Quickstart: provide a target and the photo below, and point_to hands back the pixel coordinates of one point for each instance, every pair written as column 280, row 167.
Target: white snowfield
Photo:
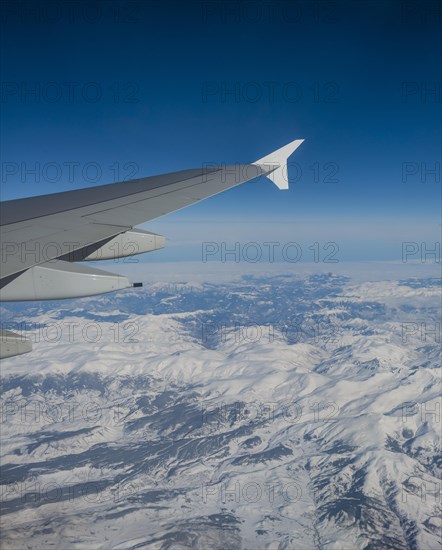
column 180, row 427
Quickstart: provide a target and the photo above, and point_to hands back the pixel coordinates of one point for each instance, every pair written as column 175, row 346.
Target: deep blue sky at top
column 170, row 85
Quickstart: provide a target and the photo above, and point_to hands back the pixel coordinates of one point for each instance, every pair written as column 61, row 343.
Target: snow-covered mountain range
column 274, row 412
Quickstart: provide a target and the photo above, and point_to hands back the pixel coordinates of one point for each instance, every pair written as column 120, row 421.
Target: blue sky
column 140, row 88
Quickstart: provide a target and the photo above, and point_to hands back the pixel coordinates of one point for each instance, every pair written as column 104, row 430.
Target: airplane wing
column 42, row 237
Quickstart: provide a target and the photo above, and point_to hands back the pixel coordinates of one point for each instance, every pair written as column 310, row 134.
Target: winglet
column 276, row 162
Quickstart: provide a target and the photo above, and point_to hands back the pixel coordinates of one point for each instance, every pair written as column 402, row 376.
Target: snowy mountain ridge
column 272, row 413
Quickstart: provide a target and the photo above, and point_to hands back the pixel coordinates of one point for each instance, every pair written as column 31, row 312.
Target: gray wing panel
column 39, row 229
column 34, row 207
